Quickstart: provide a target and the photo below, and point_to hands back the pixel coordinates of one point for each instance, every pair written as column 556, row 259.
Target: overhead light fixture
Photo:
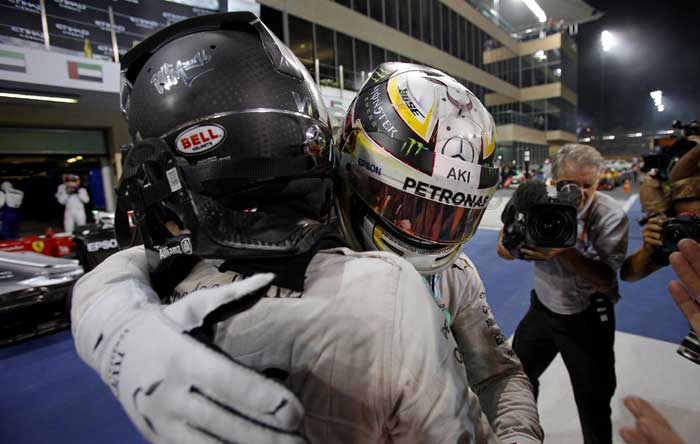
column 666, row 132
column 535, row 8
column 540, row 55
column 608, row 40
column 608, row 137
column 41, row 98
column 635, row 135
column 587, row 139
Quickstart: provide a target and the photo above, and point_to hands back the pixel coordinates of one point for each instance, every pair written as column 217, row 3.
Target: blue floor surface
column 48, row 395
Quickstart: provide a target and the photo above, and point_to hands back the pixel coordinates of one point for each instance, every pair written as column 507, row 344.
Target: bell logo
column 199, row 139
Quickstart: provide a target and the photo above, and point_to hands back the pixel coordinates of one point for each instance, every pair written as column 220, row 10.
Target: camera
column 537, row 217
column 690, row 347
column 689, row 129
column 678, row 228
column 675, row 229
column 669, row 150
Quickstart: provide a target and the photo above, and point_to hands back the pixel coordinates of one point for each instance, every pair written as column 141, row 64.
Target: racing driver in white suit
column 231, row 176
column 74, row 197
column 389, row 201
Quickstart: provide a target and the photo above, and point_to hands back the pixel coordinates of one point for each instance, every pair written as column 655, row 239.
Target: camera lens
column 550, row 226
column 675, row 235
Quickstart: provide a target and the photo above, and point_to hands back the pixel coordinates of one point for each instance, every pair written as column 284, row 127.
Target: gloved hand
column 174, row 388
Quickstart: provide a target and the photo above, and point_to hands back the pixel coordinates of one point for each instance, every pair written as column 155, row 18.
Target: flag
column 12, row 61
column 85, row 71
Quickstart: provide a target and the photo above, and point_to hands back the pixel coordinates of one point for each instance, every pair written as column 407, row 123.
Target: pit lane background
column 48, row 395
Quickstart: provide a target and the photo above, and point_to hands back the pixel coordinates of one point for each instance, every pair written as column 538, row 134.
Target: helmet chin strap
column 345, row 225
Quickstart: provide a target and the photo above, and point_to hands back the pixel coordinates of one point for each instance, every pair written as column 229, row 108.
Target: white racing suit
column 493, row 370
column 74, row 214
column 362, row 347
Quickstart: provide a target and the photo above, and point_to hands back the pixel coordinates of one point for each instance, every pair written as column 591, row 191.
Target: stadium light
column 658, row 98
column 535, row 8
column 608, row 40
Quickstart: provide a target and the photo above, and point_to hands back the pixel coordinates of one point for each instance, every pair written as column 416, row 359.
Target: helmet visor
column 421, row 217
column 441, row 202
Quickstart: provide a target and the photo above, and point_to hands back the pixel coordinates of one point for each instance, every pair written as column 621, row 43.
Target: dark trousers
column 585, row 341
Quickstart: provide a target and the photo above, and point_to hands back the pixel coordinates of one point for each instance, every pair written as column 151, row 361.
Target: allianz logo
column 185, row 247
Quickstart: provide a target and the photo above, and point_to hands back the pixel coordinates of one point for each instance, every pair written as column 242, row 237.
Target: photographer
column 571, row 310
column 681, row 198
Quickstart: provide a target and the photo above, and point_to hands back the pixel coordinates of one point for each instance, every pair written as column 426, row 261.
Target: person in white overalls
column 73, row 197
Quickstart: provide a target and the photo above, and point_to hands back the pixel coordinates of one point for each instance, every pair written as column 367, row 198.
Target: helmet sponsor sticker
column 199, row 139
column 369, row 166
column 456, row 170
column 169, row 75
column 452, row 181
column 419, row 120
column 173, row 180
column 446, row 195
column 185, row 247
column 377, row 116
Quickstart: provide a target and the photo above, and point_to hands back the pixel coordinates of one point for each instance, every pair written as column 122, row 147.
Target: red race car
column 50, row 244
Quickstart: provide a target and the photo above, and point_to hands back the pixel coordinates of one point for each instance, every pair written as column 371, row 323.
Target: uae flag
column 12, row 61
column 85, row 71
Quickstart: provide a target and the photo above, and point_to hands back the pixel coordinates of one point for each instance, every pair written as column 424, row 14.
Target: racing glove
column 174, row 388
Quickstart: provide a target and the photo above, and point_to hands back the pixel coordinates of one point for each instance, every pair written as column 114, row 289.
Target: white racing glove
column 174, row 388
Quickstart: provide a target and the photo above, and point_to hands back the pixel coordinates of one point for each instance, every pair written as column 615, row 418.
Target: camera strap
column 586, row 218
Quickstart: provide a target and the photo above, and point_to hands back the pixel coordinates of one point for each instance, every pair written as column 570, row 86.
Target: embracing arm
column 493, row 370
column 174, row 388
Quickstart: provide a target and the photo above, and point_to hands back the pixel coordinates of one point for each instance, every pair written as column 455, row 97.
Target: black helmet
column 232, row 142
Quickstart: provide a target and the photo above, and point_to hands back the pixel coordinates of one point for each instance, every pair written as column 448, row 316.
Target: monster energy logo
column 379, row 74
column 412, row 146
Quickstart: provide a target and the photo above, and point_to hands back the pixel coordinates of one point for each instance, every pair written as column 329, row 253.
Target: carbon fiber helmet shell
column 198, row 69
column 415, row 162
column 232, row 141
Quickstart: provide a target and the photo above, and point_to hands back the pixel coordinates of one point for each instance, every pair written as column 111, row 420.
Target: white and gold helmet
column 415, row 160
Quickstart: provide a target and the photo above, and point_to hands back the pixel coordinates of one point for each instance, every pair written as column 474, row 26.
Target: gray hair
column 578, row 154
